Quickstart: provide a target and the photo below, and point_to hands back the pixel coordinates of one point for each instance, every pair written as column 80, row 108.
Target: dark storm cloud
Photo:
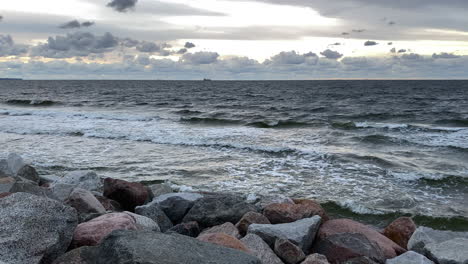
column 370, row 43
column 445, row 55
column 76, row 44
column 202, row 57
column 330, row 54
column 9, row 48
column 189, row 45
column 122, row 5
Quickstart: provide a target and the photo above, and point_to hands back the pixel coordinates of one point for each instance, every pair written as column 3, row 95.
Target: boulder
column 224, row 240
column 5, row 194
column 440, row 246
column 92, row 232
column 14, row 162
column 302, row 232
column 176, row 205
column 154, row 211
column 279, row 213
column 62, row 190
column 32, row 188
column 400, row 231
column 342, row 247
column 315, row 259
column 28, row 173
column 226, row 228
column 190, row 229
column 34, row 229
column 84, row 202
column 128, row 194
column 109, row 204
column 87, row 180
column 82, row 255
column 288, row 252
column 248, row 219
column 409, row 257
column 160, row 189
column 124, row 246
column 264, row 201
column 144, row 223
column 360, row 260
column 218, row 209
column 337, row 226
column 260, row 249
column 6, row 183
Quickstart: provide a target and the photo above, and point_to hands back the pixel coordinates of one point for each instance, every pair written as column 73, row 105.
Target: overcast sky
column 230, row 39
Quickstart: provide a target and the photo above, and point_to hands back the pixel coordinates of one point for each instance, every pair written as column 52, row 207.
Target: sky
column 230, row 39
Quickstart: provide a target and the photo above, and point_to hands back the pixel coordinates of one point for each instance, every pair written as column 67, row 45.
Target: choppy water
column 371, row 146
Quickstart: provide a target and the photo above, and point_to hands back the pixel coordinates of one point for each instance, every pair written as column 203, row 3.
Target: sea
column 367, row 149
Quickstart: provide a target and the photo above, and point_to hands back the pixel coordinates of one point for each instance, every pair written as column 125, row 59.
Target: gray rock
column 144, row 223
column 61, row 190
column 440, row 246
column 15, row 163
column 85, row 203
column 87, row 180
column 27, row 187
column 218, row 209
column 154, row 211
column 34, row 229
column 226, row 228
column 190, row 229
column 28, row 173
column 160, row 189
column 301, row 232
column 81, row 255
column 349, row 248
column 125, row 246
column 316, row 259
column 4, row 170
column 176, row 205
column 260, row 249
column 288, row 252
column 47, row 179
column 409, row 257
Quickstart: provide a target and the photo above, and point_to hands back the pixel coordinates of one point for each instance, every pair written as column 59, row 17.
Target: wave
column 278, row 124
column 187, row 112
column 393, row 126
column 210, row 121
column 453, row 122
column 27, row 102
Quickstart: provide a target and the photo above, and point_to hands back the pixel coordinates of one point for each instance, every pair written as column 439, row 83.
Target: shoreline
column 95, row 216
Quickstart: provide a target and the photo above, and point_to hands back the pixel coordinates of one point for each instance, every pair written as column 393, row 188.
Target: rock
column 87, row 180
column 123, row 247
column 440, row 246
column 337, row 226
column 190, row 229
column 271, row 199
column 6, row 183
column 160, row 189
column 144, row 223
column 82, row 255
column 400, row 231
column 224, row 240
column 301, row 232
column 218, row 209
column 61, row 190
column 226, row 228
column 108, row 204
column 28, row 173
column 260, row 249
column 5, row 194
column 176, row 205
column 288, row 252
column 47, row 180
column 154, row 211
column 315, row 259
column 248, row 219
column 360, row 260
column 31, row 188
column 341, row 247
column 128, row 194
column 409, row 257
column 84, row 202
column 279, row 213
column 34, row 229
column 15, row 163
column 92, row 232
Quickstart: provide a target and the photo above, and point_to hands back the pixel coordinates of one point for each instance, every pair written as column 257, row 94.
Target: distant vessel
column 10, row 79
column 206, row 80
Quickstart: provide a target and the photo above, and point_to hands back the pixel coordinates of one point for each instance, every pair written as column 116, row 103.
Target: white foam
column 380, row 125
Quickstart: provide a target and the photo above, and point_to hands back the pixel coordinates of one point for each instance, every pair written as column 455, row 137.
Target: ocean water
column 371, row 147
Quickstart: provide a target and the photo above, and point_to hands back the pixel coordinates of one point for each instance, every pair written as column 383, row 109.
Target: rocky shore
column 83, row 219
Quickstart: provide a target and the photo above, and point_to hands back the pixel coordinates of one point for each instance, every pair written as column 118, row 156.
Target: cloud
column 390, row 43
column 358, row 30
column 201, row 57
column 445, row 55
column 189, row 45
column 330, row 54
column 76, row 24
column 122, row 5
column 9, row 48
column 393, row 50
column 146, row 46
column 370, row 43
column 402, row 50
column 288, row 57
column 75, row 44
column 412, row 56
column 391, row 23
column 182, row 51
column 1, row 18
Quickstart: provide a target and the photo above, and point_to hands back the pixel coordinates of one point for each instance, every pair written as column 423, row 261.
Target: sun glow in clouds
column 245, row 14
